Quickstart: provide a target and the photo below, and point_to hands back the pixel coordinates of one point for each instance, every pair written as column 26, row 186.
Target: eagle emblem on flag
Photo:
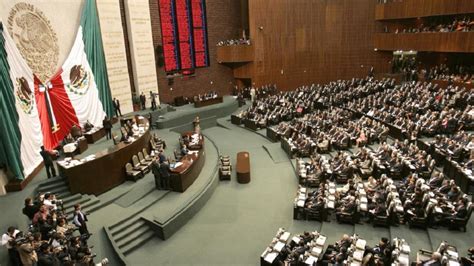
column 24, row 95
column 79, row 80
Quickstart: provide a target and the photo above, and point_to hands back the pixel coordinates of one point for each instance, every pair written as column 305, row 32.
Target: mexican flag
column 20, row 133
column 79, row 92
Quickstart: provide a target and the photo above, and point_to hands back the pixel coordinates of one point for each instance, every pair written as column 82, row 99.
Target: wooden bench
column 243, row 167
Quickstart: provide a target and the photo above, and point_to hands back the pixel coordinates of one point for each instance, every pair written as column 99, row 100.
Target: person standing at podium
column 107, row 124
column 48, row 162
column 155, row 169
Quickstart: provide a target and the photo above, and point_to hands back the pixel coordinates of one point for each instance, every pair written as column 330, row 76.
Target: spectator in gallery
column 48, row 162
column 107, row 124
column 116, row 103
column 143, row 100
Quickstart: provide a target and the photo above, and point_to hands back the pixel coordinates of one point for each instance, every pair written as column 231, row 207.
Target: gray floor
column 237, row 222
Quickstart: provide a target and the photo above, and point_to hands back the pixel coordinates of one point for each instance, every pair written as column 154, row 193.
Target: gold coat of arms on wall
column 35, row 38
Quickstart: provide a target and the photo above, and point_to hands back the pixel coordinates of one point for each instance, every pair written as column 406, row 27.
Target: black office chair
column 456, row 223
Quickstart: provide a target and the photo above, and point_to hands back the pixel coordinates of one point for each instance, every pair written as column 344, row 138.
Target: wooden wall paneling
column 337, row 34
column 432, row 42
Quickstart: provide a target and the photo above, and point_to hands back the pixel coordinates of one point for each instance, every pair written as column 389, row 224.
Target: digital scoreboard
column 184, row 34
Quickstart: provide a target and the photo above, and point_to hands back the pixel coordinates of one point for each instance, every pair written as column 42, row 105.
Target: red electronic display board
column 168, row 35
column 201, row 57
column 184, row 34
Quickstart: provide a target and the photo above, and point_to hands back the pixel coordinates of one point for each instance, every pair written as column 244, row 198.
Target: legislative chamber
column 238, row 132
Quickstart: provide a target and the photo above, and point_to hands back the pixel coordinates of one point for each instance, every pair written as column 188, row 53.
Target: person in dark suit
column 116, row 102
column 155, row 169
column 184, row 150
column 165, row 175
column 349, row 208
column 48, row 162
column 88, row 126
column 107, row 124
column 153, row 101
column 80, row 220
column 143, row 101
column 30, row 208
column 161, row 156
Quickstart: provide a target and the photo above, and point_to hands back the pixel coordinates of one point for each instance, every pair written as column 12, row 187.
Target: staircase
column 131, row 234
column 59, row 187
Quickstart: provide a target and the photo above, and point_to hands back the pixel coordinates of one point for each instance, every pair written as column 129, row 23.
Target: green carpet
column 237, row 222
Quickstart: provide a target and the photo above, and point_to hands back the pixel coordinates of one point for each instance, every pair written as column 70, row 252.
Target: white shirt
column 6, row 237
column 48, row 203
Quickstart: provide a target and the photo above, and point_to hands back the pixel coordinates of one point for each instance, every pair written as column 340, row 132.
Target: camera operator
column 42, row 214
column 46, row 256
column 79, row 251
column 51, row 201
column 26, row 249
column 30, row 208
column 8, row 241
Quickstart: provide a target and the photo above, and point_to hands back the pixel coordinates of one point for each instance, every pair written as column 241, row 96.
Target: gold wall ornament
column 35, row 38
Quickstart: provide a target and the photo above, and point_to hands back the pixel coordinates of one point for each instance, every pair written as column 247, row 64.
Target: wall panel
column 337, row 34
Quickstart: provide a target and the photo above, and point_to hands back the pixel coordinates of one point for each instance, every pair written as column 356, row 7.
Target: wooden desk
column 82, row 145
column 194, row 147
column 272, row 134
column 235, row 120
column 207, row 102
column 243, row 167
column 183, row 176
column 106, row 171
column 180, row 101
column 250, row 124
column 95, row 136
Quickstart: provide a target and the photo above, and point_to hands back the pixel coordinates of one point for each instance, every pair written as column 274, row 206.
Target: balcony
column 462, row 42
column 422, row 8
column 235, row 54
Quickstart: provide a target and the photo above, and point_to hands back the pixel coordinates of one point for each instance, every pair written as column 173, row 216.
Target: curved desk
column 195, row 146
column 183, row 176
column 106, row 170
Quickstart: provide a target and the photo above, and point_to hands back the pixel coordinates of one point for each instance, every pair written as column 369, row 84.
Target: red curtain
column 63, row 111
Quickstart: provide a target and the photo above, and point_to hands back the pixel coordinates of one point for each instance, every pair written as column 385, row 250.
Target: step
column 51, row 186
column 132, row 235
column 86, row 202
column 63, row 194
column 123, row 224
column 71, row 200
column 123, row 233
column 52, row 182
column 59, row 190
column 138, row 242
column 81, row 201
